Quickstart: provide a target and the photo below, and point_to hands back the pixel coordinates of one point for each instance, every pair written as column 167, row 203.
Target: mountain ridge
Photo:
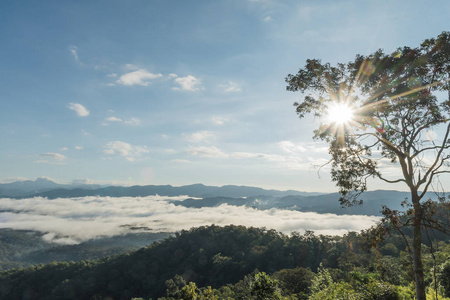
column 326, row 203
column 26, row 187
column 51, row 190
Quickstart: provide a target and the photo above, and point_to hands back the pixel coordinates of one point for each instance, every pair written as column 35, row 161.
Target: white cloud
column 52, row 158
column 172, row 75
column 131, row 67
column 12, row 179
column 133, row 122
column 78, row 147
column 113, row 119
column 231, row 87
column 211, row 152
column 267, row 19
column 74, row 51
column 138, row 77
column 72, row 220
column 188, row 83
column 183, row 161
column 263, row 156
column 128, row 151
column 64, row 149
column 219, row 120
column 55, row 156
column 240, row 155
column 201, row 136
column 79, row 109
column 293, row 161
column 290, row 147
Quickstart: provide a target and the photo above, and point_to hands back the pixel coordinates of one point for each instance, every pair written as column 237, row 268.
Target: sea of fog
column 73, row 220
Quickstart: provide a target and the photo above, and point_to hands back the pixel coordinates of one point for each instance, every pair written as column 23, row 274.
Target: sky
column 180, row 92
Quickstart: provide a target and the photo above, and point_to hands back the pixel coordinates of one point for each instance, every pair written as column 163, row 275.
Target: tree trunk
column 417, row 252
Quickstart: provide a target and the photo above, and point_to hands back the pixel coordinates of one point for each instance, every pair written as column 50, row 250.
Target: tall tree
column 382, row 110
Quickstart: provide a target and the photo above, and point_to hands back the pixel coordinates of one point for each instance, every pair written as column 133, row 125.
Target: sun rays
column 339, row 113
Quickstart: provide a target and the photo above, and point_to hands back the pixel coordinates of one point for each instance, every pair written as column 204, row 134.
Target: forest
column 237, row 262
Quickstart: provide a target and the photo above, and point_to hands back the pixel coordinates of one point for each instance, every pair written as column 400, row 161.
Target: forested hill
column 208, row 256
column 213, row 256
column 23, row 248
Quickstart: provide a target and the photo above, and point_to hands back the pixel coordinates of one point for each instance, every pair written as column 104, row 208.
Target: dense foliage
column 23, row 248
column 235, row 262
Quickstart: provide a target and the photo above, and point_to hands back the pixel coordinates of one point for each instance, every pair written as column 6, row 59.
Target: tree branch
column 438, row 157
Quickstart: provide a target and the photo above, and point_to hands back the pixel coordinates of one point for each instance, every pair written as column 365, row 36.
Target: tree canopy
column 392, row 113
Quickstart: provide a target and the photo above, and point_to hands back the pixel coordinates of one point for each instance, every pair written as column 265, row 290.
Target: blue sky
column 180, row 92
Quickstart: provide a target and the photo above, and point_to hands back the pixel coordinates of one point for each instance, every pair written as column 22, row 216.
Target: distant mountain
column 327, row 203
column 53, row 190
column 20, row 188
column 213, row 196
column 24, row 188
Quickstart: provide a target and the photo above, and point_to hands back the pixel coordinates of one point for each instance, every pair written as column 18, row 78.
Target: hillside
column 22, row 248
column 209, row 256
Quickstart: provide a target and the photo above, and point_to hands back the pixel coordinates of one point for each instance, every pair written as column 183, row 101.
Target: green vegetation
column 23, row 248
column 235, row 262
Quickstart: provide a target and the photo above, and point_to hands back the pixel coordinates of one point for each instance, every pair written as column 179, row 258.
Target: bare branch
column 428, row 149
column 391, row 181
column 436, row 161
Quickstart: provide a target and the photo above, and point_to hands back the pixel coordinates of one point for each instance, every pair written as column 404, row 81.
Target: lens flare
column 368, row 68
column 398, row 54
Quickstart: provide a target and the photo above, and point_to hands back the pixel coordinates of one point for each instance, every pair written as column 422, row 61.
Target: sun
column 339, row 113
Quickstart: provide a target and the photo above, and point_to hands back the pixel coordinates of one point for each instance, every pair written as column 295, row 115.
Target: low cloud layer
column 73, row 220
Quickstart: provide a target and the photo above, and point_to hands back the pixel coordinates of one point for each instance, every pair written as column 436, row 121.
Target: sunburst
column 340, row 113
